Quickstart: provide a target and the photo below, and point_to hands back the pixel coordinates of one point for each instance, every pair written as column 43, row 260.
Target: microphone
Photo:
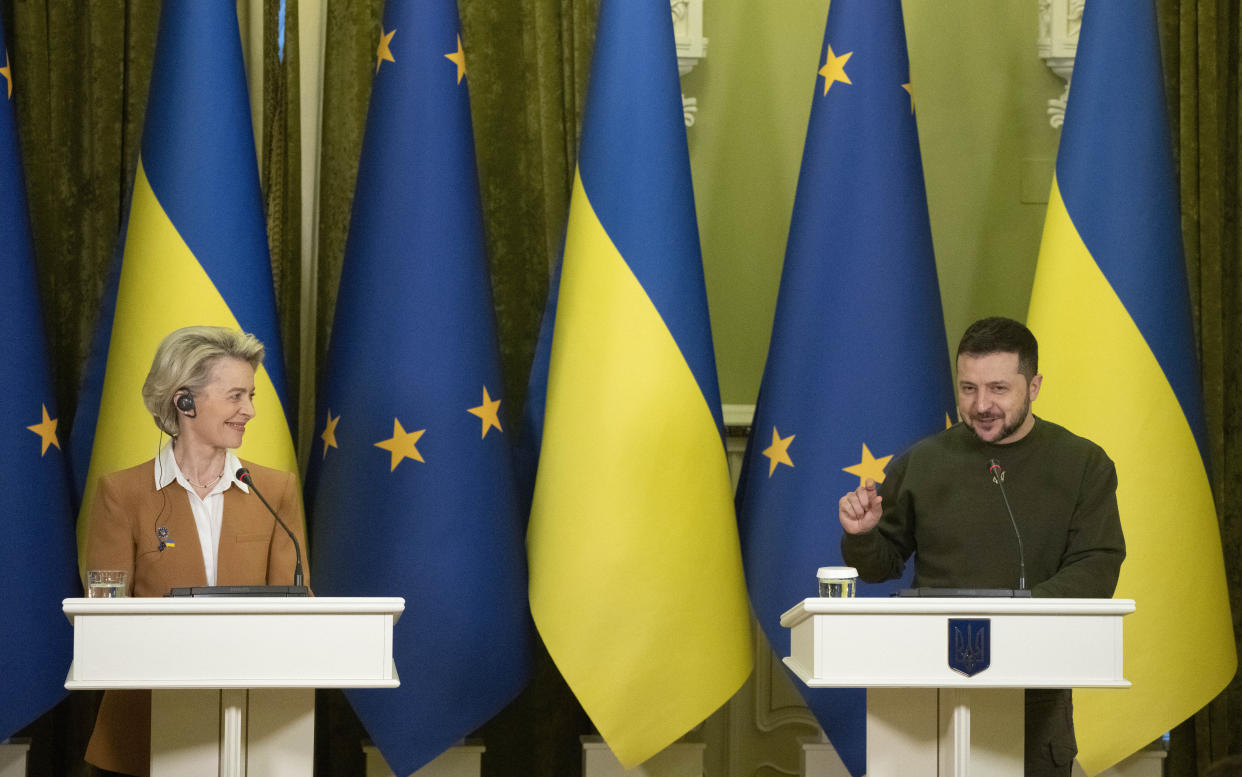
column 243, row 475
column 998, row 477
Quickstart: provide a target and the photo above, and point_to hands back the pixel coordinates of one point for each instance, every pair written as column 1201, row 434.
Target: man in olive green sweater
column 940, row 503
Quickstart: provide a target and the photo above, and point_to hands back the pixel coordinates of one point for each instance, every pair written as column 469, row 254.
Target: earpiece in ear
column 185, row 403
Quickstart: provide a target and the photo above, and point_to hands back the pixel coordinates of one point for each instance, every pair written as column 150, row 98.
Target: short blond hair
column 183, row 363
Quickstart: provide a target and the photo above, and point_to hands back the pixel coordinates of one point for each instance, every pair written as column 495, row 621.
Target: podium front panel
column 257, row 642
column 906, row 642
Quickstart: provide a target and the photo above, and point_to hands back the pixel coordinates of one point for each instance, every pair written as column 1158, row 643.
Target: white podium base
column 463, row 760
column 680, row 759
column 820, row 759
column 13, row 757
column 233, row 732
column 951, row 732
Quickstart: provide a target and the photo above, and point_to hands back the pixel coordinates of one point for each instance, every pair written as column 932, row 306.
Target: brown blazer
column 126, row 519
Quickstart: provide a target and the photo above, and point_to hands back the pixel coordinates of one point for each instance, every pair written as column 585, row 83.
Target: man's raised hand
column 860, row 509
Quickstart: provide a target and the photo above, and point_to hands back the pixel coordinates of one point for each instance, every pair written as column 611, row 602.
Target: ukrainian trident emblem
column 970, row 645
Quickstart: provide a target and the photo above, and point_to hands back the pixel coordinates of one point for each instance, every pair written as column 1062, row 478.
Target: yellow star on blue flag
column 7, row 72
column 833, row 70
column 329, row 433
column 383, row 52
column 402, row 444
column 778, row 451
column 458, row 58
column 488, row 412
column 46, row 429
column 869, row 467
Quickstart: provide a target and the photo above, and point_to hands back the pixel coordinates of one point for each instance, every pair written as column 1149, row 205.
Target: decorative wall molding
column 777, row 702
column 689, row 107
column 691, row 46
column 1059, row 24
column 688, row 30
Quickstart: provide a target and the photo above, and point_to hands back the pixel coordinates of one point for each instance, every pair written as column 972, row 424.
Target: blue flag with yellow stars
column 857, row 367
column 194, row 251
column 37, row 557
column 635, row 569
column 410, row 488
column 1111, row 308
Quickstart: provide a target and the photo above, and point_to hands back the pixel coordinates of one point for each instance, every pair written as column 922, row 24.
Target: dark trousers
column 1050, row 743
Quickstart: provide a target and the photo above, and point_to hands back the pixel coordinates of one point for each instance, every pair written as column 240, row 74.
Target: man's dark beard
column 1007, row 429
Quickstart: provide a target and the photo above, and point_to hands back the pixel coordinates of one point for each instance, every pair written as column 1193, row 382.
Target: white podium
column 233, row 679
column 945, row 678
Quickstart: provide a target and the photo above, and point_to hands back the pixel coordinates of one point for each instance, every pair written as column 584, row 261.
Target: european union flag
column 195, row 250
column 37, row 556
column 1111, row 308
column 410, row 488
column 857, row 366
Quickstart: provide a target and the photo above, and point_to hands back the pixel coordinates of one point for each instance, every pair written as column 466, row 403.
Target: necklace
column 208, row 484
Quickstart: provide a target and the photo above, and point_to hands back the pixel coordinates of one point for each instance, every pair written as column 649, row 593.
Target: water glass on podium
column 837, row 582
column 106, row 583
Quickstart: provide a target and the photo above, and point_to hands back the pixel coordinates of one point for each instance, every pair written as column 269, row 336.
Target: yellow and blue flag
column 1111, row 309
column 37, row 558
column 635, row 571
column 857, row 366
column 194, row 250
column 410, row 489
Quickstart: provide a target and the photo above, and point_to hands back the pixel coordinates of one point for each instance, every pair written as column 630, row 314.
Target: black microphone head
column 243, row 475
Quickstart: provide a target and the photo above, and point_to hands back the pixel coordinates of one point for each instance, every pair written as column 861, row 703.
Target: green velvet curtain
column 82, row 71
column 1200, row 40
column 280, row 152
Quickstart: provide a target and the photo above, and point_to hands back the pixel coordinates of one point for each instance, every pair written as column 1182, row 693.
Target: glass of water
column 837, row 582
column 106, row 583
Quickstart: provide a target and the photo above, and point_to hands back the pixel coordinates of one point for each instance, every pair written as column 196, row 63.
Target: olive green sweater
column 941, row 505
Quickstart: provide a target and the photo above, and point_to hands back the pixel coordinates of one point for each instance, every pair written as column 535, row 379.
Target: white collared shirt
column 208, row 512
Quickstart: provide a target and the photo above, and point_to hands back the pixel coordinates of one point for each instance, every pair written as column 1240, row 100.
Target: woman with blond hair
column 184, row 519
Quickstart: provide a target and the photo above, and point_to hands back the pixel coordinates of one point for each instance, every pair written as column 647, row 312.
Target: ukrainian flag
column 636, row 580
column 37, row 556
column 1111, row 309
column 411, row 488
column 194, row 249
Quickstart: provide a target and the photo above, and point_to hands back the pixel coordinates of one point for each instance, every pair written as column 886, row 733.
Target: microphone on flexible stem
column 243, row 475
column 998, row 477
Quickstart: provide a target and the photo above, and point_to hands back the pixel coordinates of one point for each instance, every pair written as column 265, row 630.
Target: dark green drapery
column 82, row 71
column 1199, row 40
column 81, row 74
